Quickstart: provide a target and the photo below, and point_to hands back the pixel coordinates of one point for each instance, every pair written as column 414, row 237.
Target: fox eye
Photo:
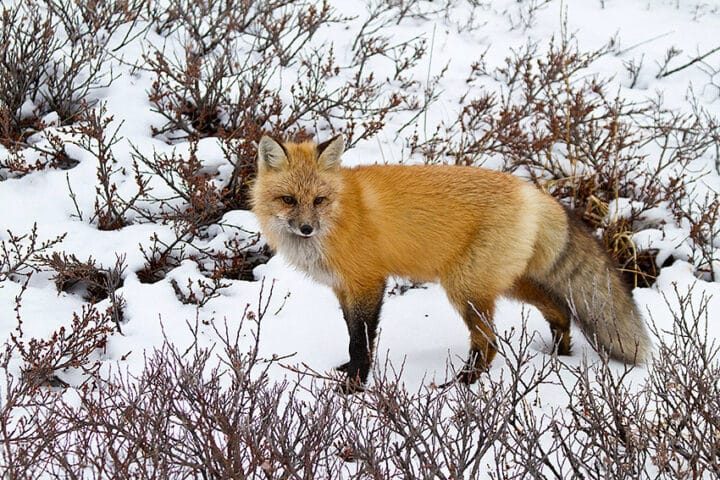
column 288, row 200
column 319, row 200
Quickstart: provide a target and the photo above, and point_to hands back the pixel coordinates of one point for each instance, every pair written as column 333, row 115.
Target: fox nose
column 306, row 229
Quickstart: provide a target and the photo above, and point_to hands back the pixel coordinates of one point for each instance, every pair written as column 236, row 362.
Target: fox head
column 297, row 188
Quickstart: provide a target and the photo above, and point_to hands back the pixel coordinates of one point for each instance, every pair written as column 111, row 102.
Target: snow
column 419, row 329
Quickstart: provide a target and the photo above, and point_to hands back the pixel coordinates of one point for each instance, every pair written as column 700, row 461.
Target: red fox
column 480, row 233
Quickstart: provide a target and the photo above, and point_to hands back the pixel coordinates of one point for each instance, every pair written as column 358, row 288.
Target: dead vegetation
column 184, row 415
column 214, row 78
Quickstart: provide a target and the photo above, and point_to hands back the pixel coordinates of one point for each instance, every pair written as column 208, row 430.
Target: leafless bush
column 214, row 412
column 524, row 14
column 195, row 200
column 222, row 83
column 702, row 218
column 27, row 43
column 216, row 86
column 186, row 415
column 683, row 386
column 18, row 254
column 219, row 86
column 83, row 19
column 48, row 152
column 603, row 432
column 51, row 60
column 111, row 210
column 161, row 257
column 590, row 149
column 199, row 292
column 240, row 153
column 192, row 199
column 618, row 426
column 44, row 360
column 235, row 259
column 94, row 283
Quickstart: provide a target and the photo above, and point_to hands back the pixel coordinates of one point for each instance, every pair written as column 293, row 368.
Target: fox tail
column 585, row 280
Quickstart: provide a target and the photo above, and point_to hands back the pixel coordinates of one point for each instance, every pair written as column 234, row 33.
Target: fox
column 480, row 233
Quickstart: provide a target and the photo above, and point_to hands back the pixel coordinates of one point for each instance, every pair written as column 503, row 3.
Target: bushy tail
column 596, row 296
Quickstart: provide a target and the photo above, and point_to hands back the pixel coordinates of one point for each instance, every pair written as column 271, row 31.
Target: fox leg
column 477, row 312
column 362, row 315
column 556, row 315
column 478, row 316
column 472, row 290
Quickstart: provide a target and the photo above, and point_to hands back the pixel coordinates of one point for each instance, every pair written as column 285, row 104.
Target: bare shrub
column 111, row 210
column 199, row 292
column 592, row 150
column 219, row 86
column 603, row 434
column 99, row 21
column 160, row 258
column 50, row 152
column 27, row 42
column 235, row 259
column 620, row 425
column 191, row 200
column 188, row 415
column 683, row 386
column 18, row 254
column 94, row 283
column 523, row 16
column 50, row 62
column 216, row 412
column 44, row 360
column 568, row 137
column 195, row 200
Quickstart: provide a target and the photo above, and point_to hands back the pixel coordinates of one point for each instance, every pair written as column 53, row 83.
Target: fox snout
column 303, row 226
column 302, row 229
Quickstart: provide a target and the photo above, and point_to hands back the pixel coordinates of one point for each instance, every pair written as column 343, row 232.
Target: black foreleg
column 362, row 315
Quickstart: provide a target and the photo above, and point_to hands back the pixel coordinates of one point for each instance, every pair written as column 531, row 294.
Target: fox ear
column 329, row 153
column 271, row 154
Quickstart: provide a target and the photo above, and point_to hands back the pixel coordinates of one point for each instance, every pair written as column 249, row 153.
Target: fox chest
column 306, row 254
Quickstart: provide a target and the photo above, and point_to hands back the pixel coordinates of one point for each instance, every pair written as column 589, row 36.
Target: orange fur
column 480, row 233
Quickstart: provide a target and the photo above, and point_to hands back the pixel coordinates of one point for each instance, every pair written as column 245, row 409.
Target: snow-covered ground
column 419, row 329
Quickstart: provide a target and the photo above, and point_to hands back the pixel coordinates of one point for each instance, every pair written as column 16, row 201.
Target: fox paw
column 466, row 376
column 354, row 380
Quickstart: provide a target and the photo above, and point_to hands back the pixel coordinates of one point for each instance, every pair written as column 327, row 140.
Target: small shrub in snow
column 187, row 415
column 68, row 348
column 19, row 254
column 52, row 57
column 566, row 133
